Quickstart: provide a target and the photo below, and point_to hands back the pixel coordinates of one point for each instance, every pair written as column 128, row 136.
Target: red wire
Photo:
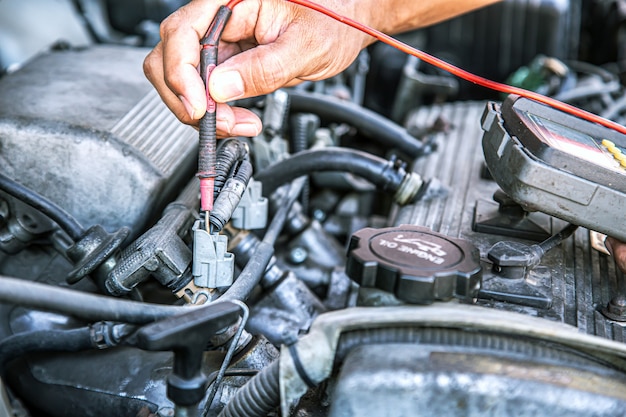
column 461, row 73
column 233, row 3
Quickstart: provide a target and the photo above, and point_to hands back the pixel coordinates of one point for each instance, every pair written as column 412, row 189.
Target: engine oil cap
column 414, row 263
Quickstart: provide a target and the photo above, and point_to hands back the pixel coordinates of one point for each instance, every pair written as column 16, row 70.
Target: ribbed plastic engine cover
column 86, row 129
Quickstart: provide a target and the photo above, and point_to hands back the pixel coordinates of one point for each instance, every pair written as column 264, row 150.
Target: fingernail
column 246, row 129
column 190, row 110
column 227, row 86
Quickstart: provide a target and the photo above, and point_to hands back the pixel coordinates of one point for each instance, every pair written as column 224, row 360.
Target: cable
column 454, row 70
column 461, row 73
column 61, row 217
column 228, row 357
column 81, row 305
column 206, row 128
column 233, row 3
column 14, row 346
column 230, row 152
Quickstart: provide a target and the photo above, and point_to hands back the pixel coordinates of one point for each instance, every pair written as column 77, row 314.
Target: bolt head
column 617, row 306
column 298, row 255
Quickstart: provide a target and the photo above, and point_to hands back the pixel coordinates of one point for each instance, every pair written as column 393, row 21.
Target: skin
column 618, row 250
column 269, row 44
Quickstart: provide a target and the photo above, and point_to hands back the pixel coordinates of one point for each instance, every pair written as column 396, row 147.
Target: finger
column 153, row 68
column 236, row 121
column 180, row 34
column 257, row 71
column 618, row 250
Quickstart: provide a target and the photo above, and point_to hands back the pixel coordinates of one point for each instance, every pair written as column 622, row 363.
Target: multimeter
column 553, row 162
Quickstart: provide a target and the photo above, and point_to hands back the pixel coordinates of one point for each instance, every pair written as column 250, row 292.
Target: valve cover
column 84, row 128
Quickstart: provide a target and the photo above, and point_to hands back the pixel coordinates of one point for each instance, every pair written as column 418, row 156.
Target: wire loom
column 459, row 72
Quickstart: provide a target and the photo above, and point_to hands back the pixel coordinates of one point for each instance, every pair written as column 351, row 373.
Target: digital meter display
column 567, row 143
column 573, row 142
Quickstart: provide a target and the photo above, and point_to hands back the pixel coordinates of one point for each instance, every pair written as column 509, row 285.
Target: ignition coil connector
column 213, row 266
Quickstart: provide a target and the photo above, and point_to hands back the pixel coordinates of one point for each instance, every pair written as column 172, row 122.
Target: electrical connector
column 251, row 213
column 213, row 266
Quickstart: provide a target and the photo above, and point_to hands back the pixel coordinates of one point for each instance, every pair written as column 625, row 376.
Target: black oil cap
column 414, row 263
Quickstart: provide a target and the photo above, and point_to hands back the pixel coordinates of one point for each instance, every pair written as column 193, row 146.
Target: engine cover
column 85, row 129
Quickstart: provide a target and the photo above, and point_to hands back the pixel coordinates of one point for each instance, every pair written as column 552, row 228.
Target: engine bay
column 389, row 245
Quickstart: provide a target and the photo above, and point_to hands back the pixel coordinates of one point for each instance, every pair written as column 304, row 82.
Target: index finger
column 181, row 33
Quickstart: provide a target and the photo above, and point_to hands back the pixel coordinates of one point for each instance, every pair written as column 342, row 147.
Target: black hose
column 81, row 305
column 61, row 217
column 14, row 346
column 303, row 128
column 276, row 226
column 258, row 397
column 251, row 274
column 370, row 124
column 374, row 169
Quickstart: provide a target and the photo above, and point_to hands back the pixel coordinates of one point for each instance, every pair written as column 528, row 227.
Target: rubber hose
column 251, row 274
column 61, row 217
column 276, row 226
column 374, row 169
column 81, row 305
column 303, row 126
column 258, row 397
column 14, row 346
column 369, row 124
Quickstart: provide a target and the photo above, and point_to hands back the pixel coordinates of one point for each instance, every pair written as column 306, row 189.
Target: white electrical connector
column 213, row 266
column 251, row 213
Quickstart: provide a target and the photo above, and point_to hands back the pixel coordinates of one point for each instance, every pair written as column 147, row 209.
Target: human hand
column 266, row 45
column 618, row 250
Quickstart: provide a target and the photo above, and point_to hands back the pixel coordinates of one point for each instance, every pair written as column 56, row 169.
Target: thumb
column 257, row 71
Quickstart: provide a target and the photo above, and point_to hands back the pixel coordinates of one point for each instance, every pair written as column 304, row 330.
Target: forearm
column 395, row 16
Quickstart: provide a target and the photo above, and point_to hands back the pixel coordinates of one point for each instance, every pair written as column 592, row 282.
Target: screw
column 297, row 255
column 319, row 215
